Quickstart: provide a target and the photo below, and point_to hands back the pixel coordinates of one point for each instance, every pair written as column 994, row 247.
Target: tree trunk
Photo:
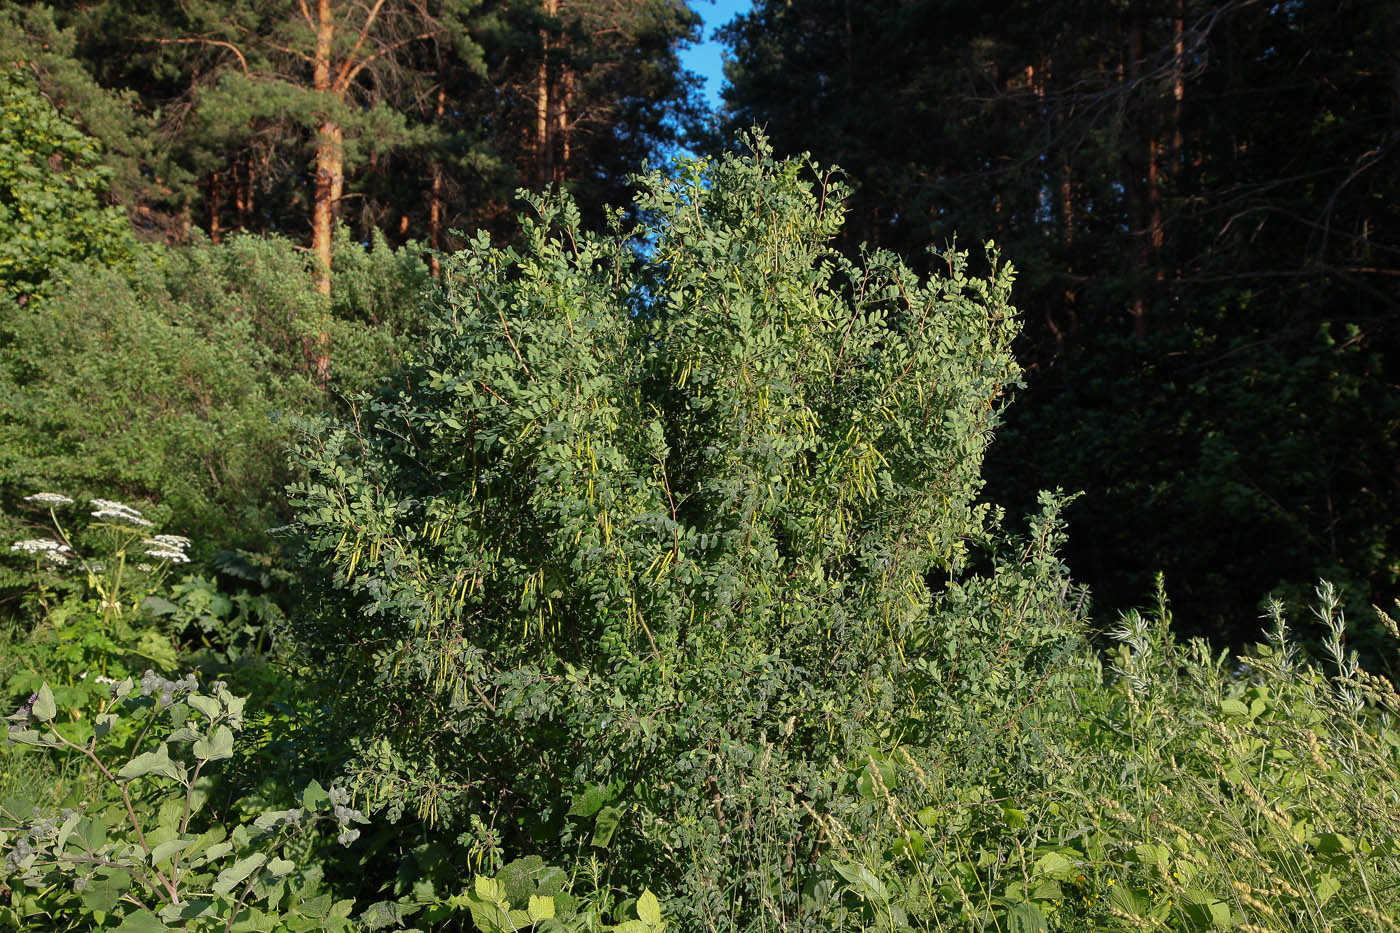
column 330, row 181
column 435, row 200
column 215, row 206
column 243, row 188
column 544, row 166
column 565, row 99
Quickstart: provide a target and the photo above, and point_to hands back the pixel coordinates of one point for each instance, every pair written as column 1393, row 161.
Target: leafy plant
column 90, row 581
column 648, row 543
column 173, row 379
column 145, row 855
column 1171, row 790
column 52, row 183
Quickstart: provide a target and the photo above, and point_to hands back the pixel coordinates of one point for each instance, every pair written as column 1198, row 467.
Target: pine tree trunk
column 565, row 99
column 330, row 181
column 435, row 201
column 544, row 152
column 243, row 188
column 215, row 206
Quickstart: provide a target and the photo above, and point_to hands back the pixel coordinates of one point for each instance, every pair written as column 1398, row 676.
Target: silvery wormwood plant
column 144, row 855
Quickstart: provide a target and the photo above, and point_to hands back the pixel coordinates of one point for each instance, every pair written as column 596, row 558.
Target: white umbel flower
column 114, row 506
column 123, row 516
column 175, row 557
column 49, row 499
column 40, row 546
column 173, row 542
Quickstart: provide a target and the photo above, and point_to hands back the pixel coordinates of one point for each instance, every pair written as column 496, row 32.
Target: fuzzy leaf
column 155, row 762
column 238, row 872
column 44, row 708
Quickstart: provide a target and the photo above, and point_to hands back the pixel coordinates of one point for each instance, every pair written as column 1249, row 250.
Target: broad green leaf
column 217, row 851
column 313, row 795
column 1013, row 817
column 105, row 888
column 1234, row 708
column 156, row 762
column 609, row 818
column 166, row 850
column 189, row 910
column 540, row 908
column 589, row 802
column 44, row 708
column 185, row 734
column 1333, row 845
column 489, row 916
column 649, row 909
column 1204, row 911
column 1155, row 855
column 27, row 737
column 489, row 889
column 277, row 867
column 210, row 707
column 863, row 881
column 1052, row 865
column 1025, row 917
column 158, row 606
column 93, row 832
column 383, row 914
column 238, row 872
column 142, row 921
column 217, row 747
column 66, row 830
column 1126, row 900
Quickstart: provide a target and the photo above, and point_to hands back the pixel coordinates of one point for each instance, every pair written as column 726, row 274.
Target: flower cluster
column 53, row 551
column 167, row 691
column 169, row 547
column 345, row 815
column 172, row 548
column 50, row 499
column 118, row 511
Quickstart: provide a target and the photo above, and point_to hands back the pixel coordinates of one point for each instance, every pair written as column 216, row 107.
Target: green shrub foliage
column 52, row 185
column 172, row 381
column 656, row 549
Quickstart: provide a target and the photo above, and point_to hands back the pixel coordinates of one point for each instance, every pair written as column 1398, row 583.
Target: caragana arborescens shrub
column 654, row 552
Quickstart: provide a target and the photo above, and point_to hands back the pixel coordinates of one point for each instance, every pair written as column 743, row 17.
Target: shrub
column 143, row 853
column 52, row 185
column 1175, row 790
column 654, row 548
column 172, row 381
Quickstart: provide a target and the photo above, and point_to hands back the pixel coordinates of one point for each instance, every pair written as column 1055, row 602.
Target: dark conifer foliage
column 1202, row 201
column 411, row 117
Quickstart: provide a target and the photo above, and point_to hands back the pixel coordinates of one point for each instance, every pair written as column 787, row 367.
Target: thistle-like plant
column 144, row 851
